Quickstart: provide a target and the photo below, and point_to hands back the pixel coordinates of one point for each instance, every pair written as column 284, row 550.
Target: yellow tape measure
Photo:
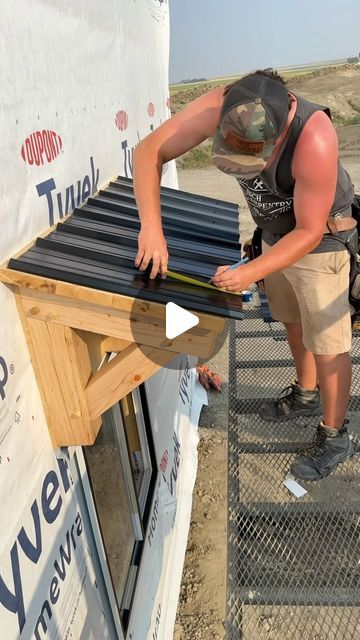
column 198, row 283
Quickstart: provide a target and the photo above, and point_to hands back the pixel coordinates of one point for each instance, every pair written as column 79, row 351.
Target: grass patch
column 210, row 84
column 355, row 106
column 198, row 158
column 344, row 121
column 216, row 82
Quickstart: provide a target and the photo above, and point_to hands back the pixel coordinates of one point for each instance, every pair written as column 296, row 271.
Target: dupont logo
column 121, row 120
column 151, row 109
column 41, row 147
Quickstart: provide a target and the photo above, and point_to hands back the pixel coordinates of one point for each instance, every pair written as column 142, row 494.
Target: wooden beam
column 94, row 343
column 70, row 328
column 113, row 345
column 121, row 375
column 99, row 345
column 21, row 279
column 118, row 323
column 32, row 286
column 36, row 339
column 62, row 369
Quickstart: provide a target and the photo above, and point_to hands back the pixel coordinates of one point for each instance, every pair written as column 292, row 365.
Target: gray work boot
column 293, row 401
column 330, row 447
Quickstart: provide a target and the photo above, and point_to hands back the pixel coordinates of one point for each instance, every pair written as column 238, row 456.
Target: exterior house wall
column 82, row 82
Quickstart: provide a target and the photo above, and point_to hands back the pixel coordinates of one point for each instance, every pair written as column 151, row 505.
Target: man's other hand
column 234, row 280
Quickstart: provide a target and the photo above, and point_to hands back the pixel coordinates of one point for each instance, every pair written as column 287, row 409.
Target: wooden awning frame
column 69, row 330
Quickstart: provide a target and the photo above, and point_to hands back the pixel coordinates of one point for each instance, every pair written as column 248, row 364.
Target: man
column 283, row 151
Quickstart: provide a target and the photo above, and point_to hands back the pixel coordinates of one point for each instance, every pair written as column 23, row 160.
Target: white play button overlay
column 178, row 320
column 175, row 329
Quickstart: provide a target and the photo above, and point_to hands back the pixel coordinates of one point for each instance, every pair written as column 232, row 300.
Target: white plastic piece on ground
column 293, row 486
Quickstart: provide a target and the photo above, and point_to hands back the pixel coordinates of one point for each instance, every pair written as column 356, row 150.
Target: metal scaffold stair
column 293, row 563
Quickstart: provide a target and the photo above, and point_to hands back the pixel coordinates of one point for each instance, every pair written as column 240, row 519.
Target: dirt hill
column 336, row 87
column 340, row 90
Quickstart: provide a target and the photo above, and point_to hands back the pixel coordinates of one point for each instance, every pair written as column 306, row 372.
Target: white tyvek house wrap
column 175, row 398
column 81, row 82
column 70, row 68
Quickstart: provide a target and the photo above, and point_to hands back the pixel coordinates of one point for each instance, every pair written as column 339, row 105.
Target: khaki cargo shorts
column 314, row 291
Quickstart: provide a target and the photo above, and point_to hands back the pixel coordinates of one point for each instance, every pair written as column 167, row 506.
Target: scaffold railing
column 293, row 563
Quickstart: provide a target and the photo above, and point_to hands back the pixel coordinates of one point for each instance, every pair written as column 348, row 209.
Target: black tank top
column 270, row 195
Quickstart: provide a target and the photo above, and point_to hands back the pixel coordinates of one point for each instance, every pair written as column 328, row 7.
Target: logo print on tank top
column 262, row 201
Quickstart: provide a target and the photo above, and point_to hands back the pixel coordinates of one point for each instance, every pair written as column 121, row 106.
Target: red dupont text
column 41, row 147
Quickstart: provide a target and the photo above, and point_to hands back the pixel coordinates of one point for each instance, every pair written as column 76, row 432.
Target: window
column 121, row 474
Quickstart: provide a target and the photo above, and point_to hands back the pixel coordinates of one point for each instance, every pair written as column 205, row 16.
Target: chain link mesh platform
column 293, row 563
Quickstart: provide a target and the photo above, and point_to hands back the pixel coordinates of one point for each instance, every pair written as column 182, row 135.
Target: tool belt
column 336, row 224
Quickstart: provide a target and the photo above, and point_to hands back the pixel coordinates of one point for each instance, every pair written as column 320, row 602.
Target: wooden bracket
column 70, row 329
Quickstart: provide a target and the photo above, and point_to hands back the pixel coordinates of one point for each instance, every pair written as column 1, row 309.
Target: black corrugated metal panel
column 97, row 245
column 227, row 207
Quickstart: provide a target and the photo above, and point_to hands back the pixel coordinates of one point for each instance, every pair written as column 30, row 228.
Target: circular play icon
column 178, row 320
column 163, row 330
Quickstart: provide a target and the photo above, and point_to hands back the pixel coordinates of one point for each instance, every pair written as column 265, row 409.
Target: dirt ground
column 202, row 604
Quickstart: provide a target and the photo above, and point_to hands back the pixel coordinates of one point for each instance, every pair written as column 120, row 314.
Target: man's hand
column 237, row 279
column 152, row 247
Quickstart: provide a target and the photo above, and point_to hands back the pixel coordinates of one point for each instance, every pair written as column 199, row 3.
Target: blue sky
column 210, row 38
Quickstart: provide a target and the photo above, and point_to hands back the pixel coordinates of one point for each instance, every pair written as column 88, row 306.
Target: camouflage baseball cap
column 253, row 114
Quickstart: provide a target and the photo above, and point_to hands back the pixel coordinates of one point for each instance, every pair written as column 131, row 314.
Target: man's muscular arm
column 314, row 168
column 174, row 137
